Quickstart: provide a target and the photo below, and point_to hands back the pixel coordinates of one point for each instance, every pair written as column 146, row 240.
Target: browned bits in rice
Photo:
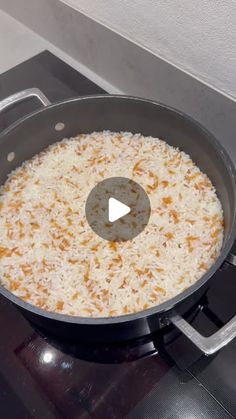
column 165, row 183
column 64, row 244
column 86, row 273
column 75, row 296
column 126, row 309
column 137, row 167
column 169, row 235
column 203, row 266
column 216, row 233
column 190, row 242
column 95, row 247
column 97, row 262
column 155, row 183
column 181, row 280
column 174, row 214
column 14, row 285
column 50, row 257
column 84, row 242
column 73, row 261
column 167, row 200
column 159, row 289
column 27, row 269
column 5, row 252
column 113, row 245
column 144, row 283
column 59, row 305
column 190, row 221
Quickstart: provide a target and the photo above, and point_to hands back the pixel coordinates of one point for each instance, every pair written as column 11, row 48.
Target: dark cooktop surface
column 153, row 377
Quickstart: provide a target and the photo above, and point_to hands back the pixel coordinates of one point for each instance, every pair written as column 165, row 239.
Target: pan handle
column 24, row 95
column 208, row 345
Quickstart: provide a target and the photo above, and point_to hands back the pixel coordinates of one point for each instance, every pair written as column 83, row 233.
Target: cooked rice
column 51, row 258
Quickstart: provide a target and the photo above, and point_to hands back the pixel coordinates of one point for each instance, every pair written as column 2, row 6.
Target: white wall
column 199, row 36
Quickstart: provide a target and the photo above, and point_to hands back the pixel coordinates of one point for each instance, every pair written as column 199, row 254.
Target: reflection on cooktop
column 85, row 379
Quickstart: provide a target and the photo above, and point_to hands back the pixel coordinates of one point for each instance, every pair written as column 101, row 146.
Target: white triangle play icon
column 116, row 210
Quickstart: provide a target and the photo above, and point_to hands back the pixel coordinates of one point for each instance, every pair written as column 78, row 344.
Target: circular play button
column 117, row 209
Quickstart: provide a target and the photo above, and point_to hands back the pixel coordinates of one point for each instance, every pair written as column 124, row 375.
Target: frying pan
column 53, row 122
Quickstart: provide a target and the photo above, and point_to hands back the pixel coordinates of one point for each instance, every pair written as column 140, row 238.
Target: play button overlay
column 117, row 209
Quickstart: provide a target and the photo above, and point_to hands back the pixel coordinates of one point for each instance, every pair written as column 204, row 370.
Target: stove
column 154, row 377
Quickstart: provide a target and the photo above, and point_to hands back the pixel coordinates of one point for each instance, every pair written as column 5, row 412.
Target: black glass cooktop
column 155, row 377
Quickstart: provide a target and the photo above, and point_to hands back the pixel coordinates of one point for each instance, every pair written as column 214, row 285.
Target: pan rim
column 168, row 305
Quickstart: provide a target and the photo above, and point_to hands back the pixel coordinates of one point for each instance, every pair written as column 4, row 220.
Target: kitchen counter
column 18, row 43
